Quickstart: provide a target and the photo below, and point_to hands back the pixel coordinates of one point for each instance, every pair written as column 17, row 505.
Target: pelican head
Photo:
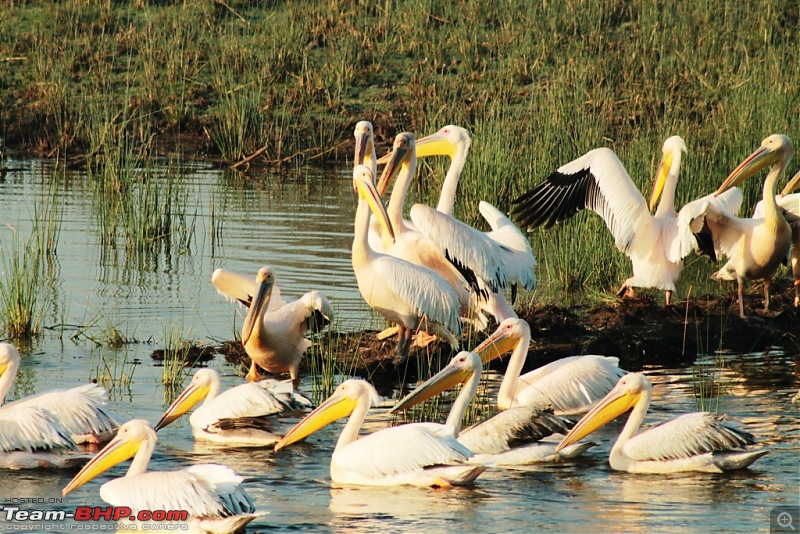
column 129, row 439
column 402, row 151
column 365, row 144
column 364, row 185
column 445, row 142
column 672, row 151
column 340, row 404
column 508, row 334
column 203, row 383
column 791, row 185
column 625, row 395
column 459, row 370
column 265, row 280
column 776, row 148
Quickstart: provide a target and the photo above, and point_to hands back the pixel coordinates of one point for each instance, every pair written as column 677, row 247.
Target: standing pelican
column 412, row 296
column 480, row 259
column 754, row 247
column 410, row 244
column 274, row 336
column 80, row 411
column 656, row 244
column 238, row 416
column 699, row 441
column 210, row 493
column 417, row 454
column 515, row 250
column 570, row 385
column 510, row 438
column 790, row 204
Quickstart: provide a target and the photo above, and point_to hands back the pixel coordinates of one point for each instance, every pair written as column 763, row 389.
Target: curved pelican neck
column 465, row 396
column 353, row 426
column 666, row 206
column 361, row 251
column 772, row 216
column 7, row 380
column 142, row 457
column 447, row 197
column 634, row 421
column 397, row 200
column 510, row 383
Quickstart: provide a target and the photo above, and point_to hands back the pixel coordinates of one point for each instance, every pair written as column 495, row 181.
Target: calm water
column 303, row 228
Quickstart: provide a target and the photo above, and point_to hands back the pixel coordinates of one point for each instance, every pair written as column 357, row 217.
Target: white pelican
column 80, row 411
column 510, row 438
column 699, row 441
column 410, row 244
column 238, row 416
column 754, row 247
column 210, row 493
column 412, row 296
column 487, row 261
column 454, row 142
column 790, row 204
column 417, row 454
column 273, row 336
column 570, row 385
column 656, row 244
column 31, row 439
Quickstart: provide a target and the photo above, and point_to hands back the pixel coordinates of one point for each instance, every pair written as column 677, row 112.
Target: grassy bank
column 537, row 85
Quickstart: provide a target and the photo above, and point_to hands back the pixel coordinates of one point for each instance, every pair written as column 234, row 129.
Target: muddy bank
column 640, row 331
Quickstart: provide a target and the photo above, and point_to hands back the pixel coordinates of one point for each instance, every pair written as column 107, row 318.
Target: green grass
column 536, row 84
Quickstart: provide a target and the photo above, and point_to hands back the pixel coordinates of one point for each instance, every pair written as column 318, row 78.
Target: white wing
column 244, row 400
column 790, row 203
column 683, row 241
column 79, row 410
column 572, row 387
column 686, row 436
column 517, row 255
column 27, row 428
column 421, row 289
column 203, row 490
column 474, row 254
column 402, row 449
column 717, row 231
column 241, row 287
column 597, row 181
column 512, row 428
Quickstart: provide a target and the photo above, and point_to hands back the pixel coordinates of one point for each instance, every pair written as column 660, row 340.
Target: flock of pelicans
column 429, row 275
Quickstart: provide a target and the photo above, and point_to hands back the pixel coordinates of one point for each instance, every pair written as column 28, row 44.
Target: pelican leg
column 253, row 375
column 668, row 296
column 766, row 296
column 797, row 292
column 403, row 344
column 626, row 291
column 740, row 291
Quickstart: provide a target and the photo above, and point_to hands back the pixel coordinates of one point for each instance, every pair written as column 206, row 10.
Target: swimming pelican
column 80, row 411
column 417, row 454
column 570, row 385
column 238, row 416
column 510, row 438
column 412, row 296
column 210, row 493
column 656, row 244
column 754, row 247
column 699, row 441
column 515, row 250
column 274, row 337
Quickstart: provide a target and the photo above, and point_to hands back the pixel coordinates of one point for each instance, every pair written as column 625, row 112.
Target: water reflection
column 265, row 221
